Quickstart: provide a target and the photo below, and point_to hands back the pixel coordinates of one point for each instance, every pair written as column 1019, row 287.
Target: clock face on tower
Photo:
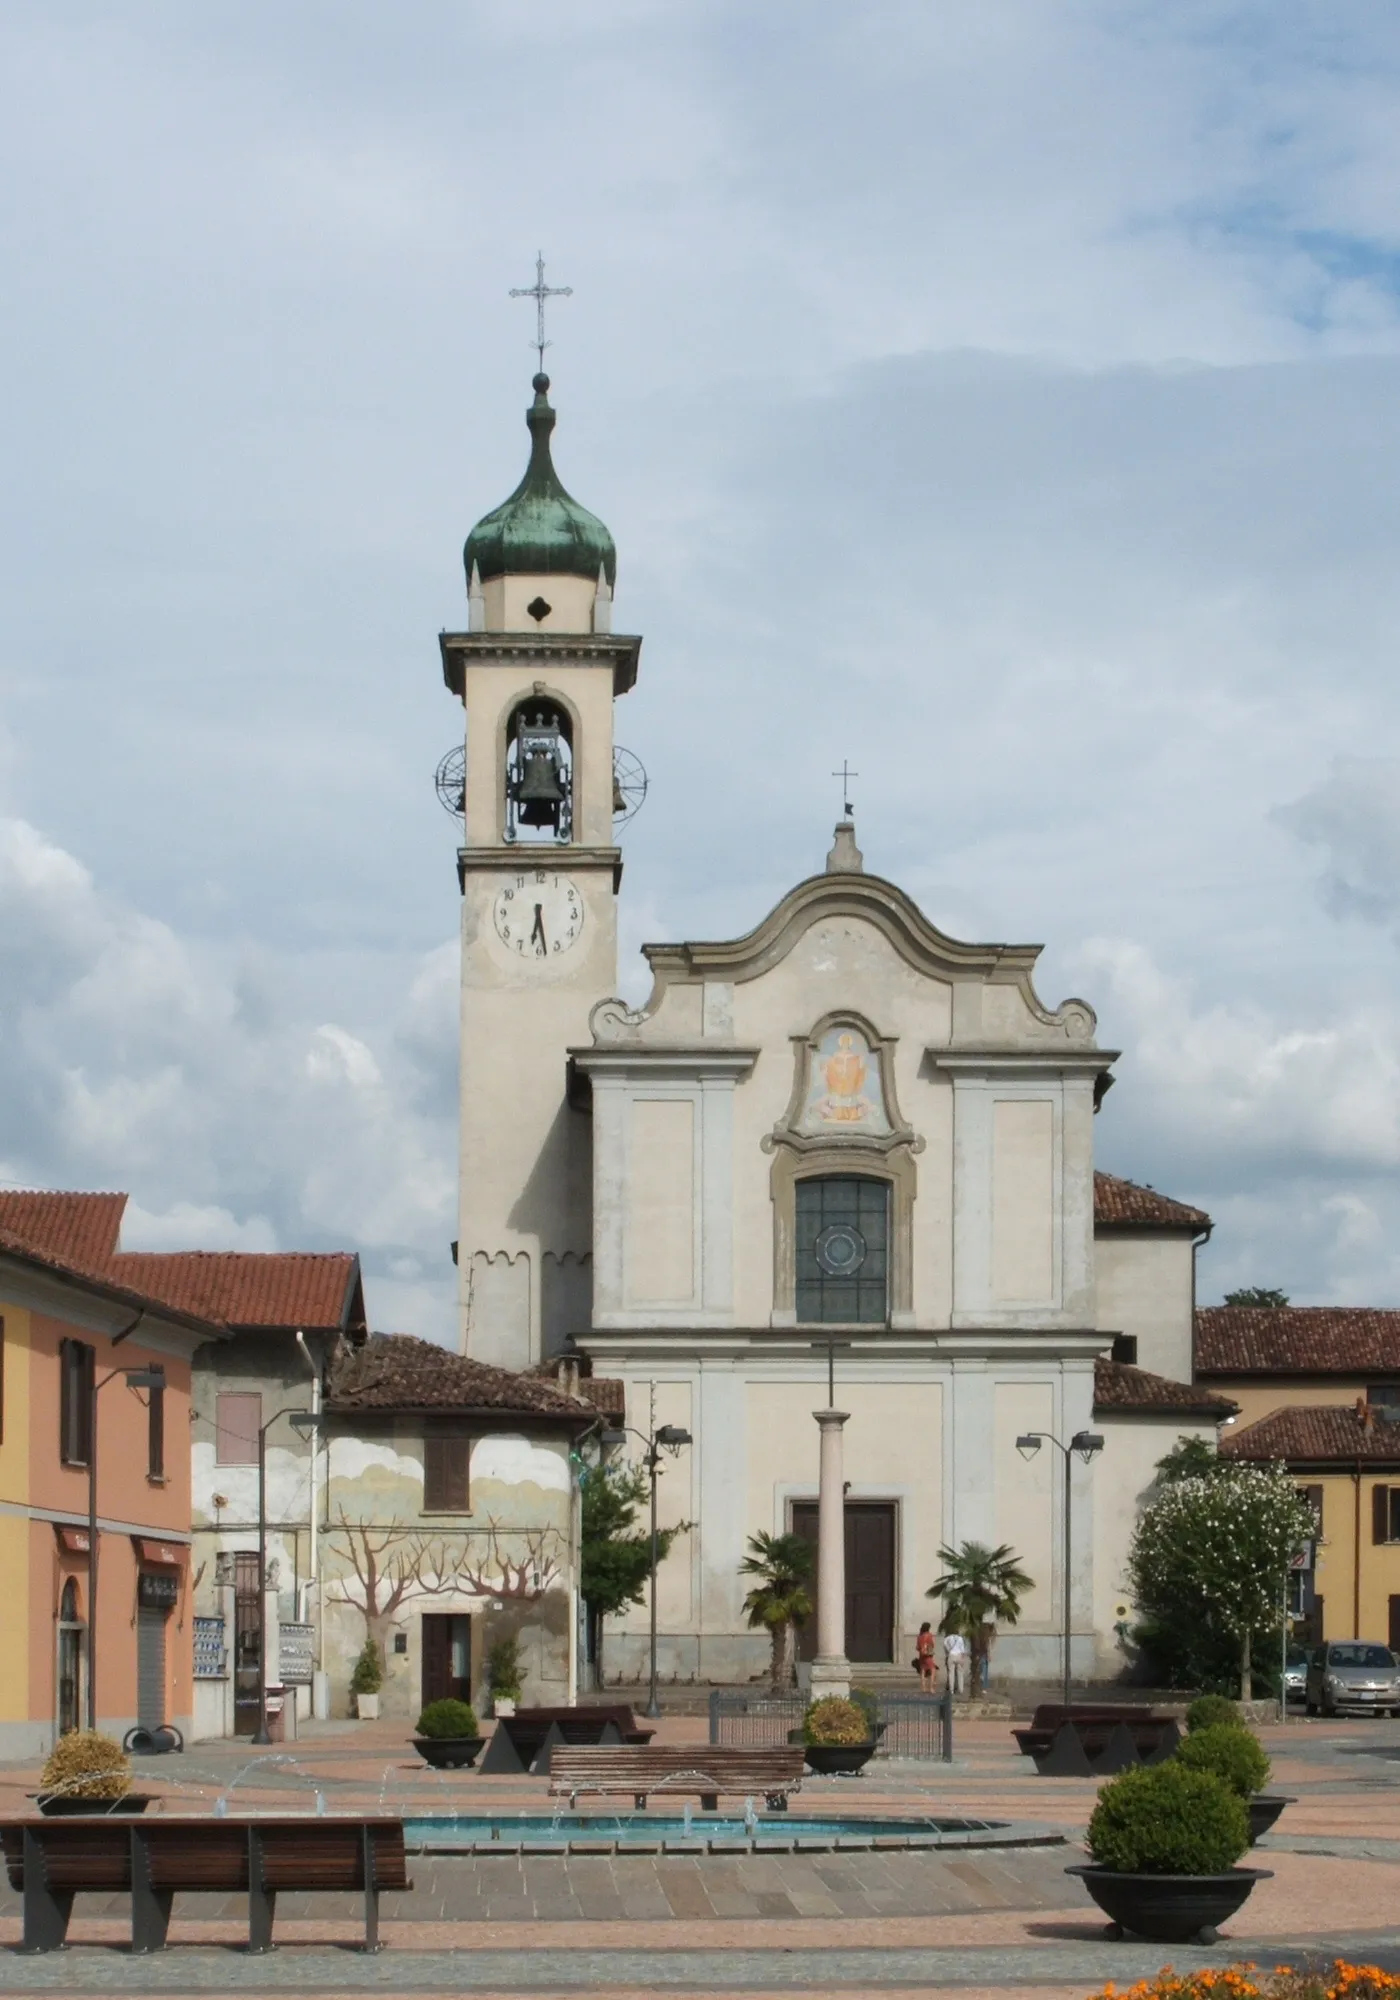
column 538, row 913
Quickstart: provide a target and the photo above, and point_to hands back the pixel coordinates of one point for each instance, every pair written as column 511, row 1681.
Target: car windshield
column 1359, row 1656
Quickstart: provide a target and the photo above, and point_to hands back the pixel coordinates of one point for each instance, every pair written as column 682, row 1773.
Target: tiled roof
column 1124, row 1205
column 82, row 1229
column 397, row 1371
column 1117, row 1386
column 1297, row 1340
column 80, row 1233
column 104, row 1284
column 1315, row 1435
column 606, row 1393
column 249, row 1288
column 572, row 1374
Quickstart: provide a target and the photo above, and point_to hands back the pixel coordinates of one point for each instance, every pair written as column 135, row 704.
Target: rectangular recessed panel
column 1023, row 1200
column 661, row 1202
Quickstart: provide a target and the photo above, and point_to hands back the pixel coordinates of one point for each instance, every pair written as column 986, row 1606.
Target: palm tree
column 979, row 1587
column 780, row 1600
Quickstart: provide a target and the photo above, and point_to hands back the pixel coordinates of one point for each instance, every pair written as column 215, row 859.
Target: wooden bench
column 1096, row 1737
column 683, row 1771
column 528, row 1727
column 52, row 1860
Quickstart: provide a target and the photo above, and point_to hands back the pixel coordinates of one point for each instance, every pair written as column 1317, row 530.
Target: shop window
column 237, row 1421
column 446, row 1470
column 77, row 1363
column 842, row 1250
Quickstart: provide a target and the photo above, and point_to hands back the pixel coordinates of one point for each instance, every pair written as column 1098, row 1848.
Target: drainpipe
column 320, row 1691
column 1356, row 1555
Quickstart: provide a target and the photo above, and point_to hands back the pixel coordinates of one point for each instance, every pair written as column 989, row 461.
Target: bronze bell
column 540, row 795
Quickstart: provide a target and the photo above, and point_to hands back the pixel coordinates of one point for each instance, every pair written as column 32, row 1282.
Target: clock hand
column 538, row 931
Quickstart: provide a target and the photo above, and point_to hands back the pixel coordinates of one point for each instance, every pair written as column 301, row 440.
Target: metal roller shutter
column 150, row 1667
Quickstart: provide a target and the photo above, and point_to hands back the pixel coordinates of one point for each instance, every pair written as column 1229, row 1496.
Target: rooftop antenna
column 539, row 292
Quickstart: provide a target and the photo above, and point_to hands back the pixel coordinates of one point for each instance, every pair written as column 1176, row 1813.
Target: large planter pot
column 59, row 1805
column 503, row 1704
column 837, row 1760
column 367, row 1707
column 1264, row 1809
column 1169, row 1909
column 449, row 1753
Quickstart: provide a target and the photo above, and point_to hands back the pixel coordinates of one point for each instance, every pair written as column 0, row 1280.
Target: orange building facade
column 69, row 1337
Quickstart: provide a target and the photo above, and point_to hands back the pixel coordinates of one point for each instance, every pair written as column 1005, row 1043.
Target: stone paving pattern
column 842, row 1923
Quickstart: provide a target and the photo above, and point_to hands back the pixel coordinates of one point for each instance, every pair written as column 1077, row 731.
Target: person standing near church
column 927, row 1657
column 955, row 1655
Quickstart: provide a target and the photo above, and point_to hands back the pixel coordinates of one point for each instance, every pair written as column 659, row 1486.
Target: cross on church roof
column 845, row 774
column 539, row 292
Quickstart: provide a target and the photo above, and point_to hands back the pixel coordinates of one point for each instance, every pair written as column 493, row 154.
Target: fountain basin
column 699, row 1833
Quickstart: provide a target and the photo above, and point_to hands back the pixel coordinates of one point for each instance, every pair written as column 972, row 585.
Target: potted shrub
column 837, row 1737
column 503, row 1675
column 88, row 1772
column 1207, row 1711
column 1236, row 1757
column 448, row 1736
column 366, row 1681
column 1164, row 1841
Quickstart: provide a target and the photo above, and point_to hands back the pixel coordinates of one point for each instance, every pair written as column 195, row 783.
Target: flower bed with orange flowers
column 1339, row 1981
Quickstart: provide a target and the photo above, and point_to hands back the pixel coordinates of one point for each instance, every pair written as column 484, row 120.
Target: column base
column 831, row 1675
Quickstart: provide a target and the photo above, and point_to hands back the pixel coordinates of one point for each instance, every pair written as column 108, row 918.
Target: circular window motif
column 840, row 1250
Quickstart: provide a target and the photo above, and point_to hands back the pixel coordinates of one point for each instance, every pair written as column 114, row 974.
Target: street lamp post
column 305, row 1423
column 136, row 1378
column 1086, row 1443
column 669, row 1437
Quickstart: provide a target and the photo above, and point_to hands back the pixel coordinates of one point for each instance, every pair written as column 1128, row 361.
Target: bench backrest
column 618, row 1713
column 297, row 1852
column 1051, row 1714
column 629, row 1762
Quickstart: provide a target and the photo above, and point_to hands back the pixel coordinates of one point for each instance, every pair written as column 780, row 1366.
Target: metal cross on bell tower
column 845, row 774
column 539, row 292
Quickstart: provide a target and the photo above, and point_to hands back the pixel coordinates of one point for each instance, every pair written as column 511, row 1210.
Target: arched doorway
column 71, row 1635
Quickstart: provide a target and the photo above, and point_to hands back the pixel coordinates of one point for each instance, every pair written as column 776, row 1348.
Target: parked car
column 1353, row 1674
column 1295, row 1674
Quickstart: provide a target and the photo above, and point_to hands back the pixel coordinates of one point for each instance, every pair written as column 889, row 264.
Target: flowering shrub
column 1339, row 1981
column 1232, row 1753
column 1163, row 1819
column 85, row 1764
column 835, row 1721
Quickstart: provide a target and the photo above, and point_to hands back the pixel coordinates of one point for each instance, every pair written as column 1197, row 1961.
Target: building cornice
column 619, row 651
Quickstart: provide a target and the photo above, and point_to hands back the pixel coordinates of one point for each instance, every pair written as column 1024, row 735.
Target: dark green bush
column 1166, row 1819
column 1211, row 1710
column 1232, row 1753
column 368, row 1677
column 448, row 1718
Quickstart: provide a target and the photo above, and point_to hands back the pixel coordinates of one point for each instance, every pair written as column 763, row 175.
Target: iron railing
column 915, row 1725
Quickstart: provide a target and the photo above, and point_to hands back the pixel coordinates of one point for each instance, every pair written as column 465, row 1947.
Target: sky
column 1004, row 399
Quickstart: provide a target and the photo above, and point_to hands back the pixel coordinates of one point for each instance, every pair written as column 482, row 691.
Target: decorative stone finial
column 845, row 857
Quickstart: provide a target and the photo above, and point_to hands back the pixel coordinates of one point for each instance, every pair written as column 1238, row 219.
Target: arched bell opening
column 539, row 772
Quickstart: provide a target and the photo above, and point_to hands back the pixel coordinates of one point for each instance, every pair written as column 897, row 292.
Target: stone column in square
column 831, row 1670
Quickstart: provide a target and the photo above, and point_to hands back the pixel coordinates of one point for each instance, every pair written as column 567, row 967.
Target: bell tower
column 537, row 672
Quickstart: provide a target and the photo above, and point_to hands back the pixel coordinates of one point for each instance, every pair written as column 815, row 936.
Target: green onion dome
column 541, row 530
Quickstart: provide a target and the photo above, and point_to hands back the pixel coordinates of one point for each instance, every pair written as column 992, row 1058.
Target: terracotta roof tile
column 1117, row 1386
column 1122, row 1204
column 1297, row 1340
column 82, row 1229
column 1314, row 1435
column 249, row 1288
column 104, row 1283
column 397, row 1371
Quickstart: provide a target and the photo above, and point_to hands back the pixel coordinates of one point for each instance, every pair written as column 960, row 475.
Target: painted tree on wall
column 391, row 1566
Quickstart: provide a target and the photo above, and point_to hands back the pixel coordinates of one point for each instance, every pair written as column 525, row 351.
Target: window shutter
column 446, row 1471
column 155, row 1432
column 1313, row 1496
column 237, row 1421
column 1380, row 1513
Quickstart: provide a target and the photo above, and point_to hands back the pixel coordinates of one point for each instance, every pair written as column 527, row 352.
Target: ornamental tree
column 1215, row 1553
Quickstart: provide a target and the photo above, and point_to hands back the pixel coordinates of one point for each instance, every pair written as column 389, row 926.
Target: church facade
column 841, row 1147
